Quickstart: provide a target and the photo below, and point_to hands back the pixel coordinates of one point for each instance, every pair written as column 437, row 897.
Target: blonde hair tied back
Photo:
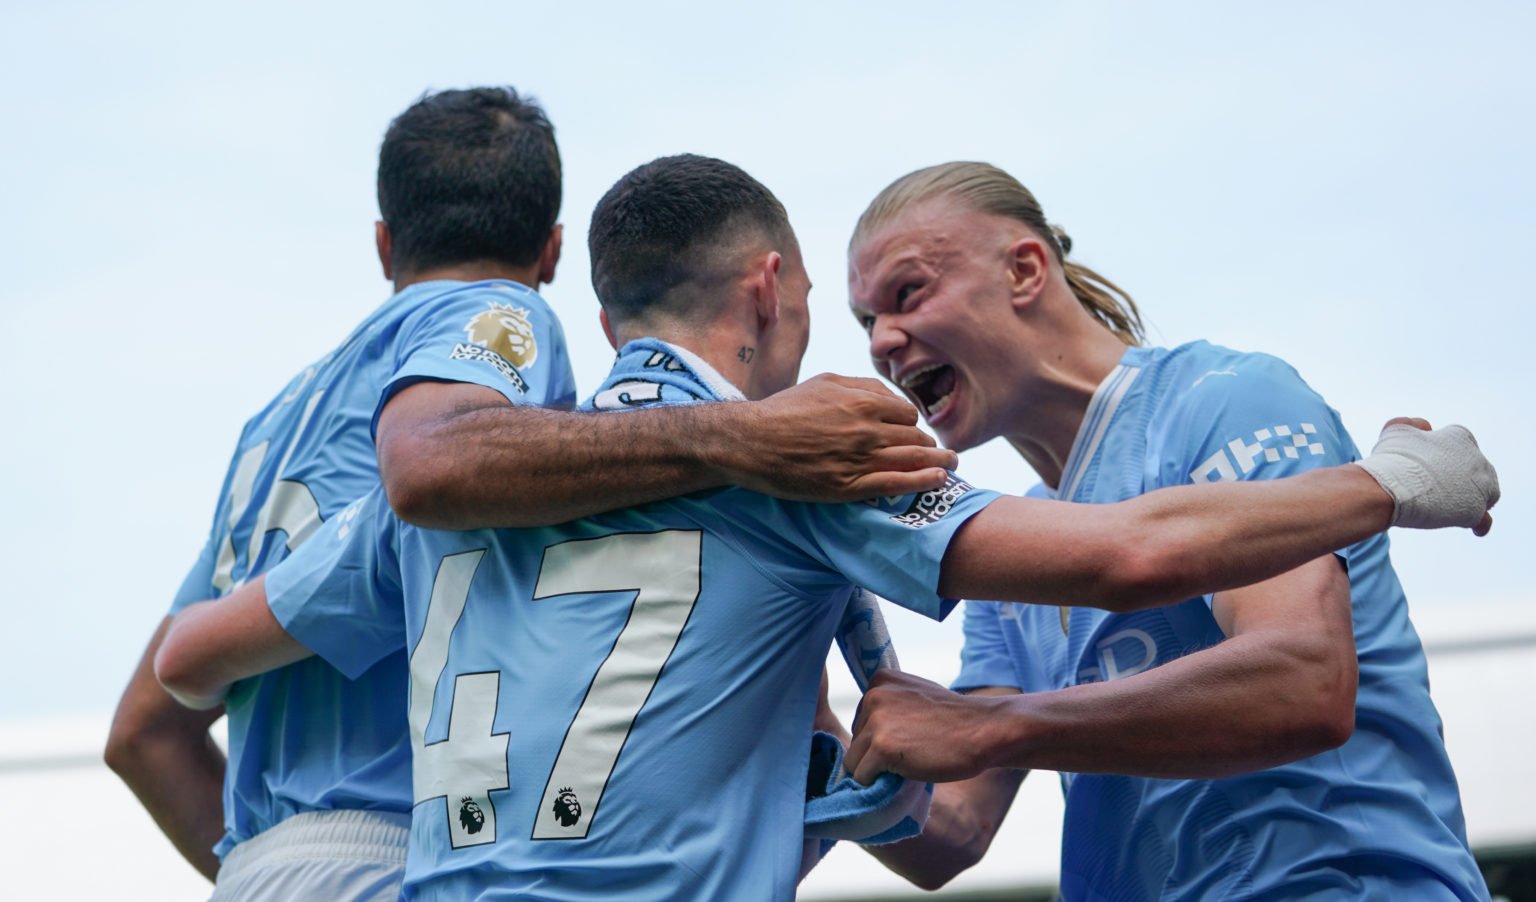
column 985, row 188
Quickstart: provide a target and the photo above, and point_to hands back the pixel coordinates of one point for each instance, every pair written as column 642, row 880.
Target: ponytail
column 988, row 189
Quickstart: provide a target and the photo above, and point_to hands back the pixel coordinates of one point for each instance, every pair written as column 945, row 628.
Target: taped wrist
column 1436, row 479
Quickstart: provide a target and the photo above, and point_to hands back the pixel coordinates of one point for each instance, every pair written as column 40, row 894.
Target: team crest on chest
column 506, row 330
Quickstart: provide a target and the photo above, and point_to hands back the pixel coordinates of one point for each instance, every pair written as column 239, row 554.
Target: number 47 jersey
column 619, row 706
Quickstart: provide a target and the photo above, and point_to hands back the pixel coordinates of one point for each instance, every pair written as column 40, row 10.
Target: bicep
column 1313, row 599
column 1297, row 638
column 1033, row 550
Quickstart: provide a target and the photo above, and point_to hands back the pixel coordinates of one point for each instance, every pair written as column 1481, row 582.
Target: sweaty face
column 932, row 290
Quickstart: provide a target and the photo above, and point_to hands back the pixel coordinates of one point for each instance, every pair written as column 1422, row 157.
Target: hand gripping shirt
column 1379, row 817
column 620, row 706
column 305, row 738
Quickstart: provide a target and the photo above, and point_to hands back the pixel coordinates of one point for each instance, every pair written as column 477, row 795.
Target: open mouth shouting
column 931, row 387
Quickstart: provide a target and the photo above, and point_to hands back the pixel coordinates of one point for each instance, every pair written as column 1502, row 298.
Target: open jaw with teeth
column 931, row 387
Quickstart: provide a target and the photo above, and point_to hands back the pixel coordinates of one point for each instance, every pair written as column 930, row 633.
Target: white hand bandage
column 1436, row 479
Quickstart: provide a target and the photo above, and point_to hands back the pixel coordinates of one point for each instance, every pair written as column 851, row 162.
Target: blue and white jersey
column 304, row 738
column 619, row 706
column 1379, row 817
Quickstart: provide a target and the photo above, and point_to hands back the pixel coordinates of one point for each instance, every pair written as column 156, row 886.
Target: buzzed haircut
column 656, row 227
column 469, row 175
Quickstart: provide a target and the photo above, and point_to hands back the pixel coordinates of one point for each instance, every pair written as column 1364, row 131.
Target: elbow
column 930, row 869
column 414, row 487
column 1315, row 732
column 932, row 882
column 184, row 677
column 1328, row 725
column 959, row 853
column 1322, row 714
column 410, row 497
column 1337, row 731
column 172, row 670
column 939, row 873
column 137, row 730
column 426, row 481
column 125, row 743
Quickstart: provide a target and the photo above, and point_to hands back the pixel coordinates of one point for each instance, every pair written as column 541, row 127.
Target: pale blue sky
column 190, row 203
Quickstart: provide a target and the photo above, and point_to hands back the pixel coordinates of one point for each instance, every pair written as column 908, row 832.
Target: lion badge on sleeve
column 506, row 330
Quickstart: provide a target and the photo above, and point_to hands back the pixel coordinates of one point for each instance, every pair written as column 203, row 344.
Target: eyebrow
column 894, row 272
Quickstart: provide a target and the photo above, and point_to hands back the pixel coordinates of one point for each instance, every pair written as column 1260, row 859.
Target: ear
column 1028, row 270
column 613, row 341
column 551, row 255
column 386, row 246
column 765, row 289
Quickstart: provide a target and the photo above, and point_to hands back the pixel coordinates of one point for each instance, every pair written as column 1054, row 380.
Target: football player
column 615, row 702
column 449, row 377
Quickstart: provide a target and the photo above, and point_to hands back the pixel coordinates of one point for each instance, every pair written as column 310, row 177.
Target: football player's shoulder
column 1203, row 376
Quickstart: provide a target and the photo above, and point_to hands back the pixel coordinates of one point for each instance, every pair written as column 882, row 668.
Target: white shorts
column 346, row 856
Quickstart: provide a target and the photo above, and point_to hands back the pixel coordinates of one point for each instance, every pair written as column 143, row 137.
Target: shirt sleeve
column 340, row 593
column 1254, row 419
column 984, row 658
column 894, row 547
column 505, row 339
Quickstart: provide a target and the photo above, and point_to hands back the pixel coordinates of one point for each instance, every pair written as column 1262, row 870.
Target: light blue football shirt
column 1379, row 817
column 621, row 706
column 305, row 738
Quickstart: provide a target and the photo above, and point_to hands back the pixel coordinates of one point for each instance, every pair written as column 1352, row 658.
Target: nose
column 885, row 339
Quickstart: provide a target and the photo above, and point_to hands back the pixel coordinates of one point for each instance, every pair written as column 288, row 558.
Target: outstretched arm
column 165, row 755
column 1281, row 687
column 1180, row 542
column 457, row 456
column 1161, row 547
column 212, row 644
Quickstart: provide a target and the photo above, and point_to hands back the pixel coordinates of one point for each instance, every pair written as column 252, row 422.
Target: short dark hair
column 655, row 227
column 469, row 175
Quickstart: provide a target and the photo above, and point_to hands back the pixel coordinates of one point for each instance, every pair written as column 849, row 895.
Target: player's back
column 655, row 689
column 619, row 706
column 304, row 737
column 623, row 704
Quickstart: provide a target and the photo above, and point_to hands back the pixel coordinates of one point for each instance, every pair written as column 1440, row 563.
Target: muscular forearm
column 1196, row 540
column 165, row 755
column 179, row 779
column 1164, row 546
column 456, row 456
column 1244, row 705
column 523, row 466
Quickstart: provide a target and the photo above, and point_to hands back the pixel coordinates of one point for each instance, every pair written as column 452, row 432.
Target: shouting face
column 936, row 290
